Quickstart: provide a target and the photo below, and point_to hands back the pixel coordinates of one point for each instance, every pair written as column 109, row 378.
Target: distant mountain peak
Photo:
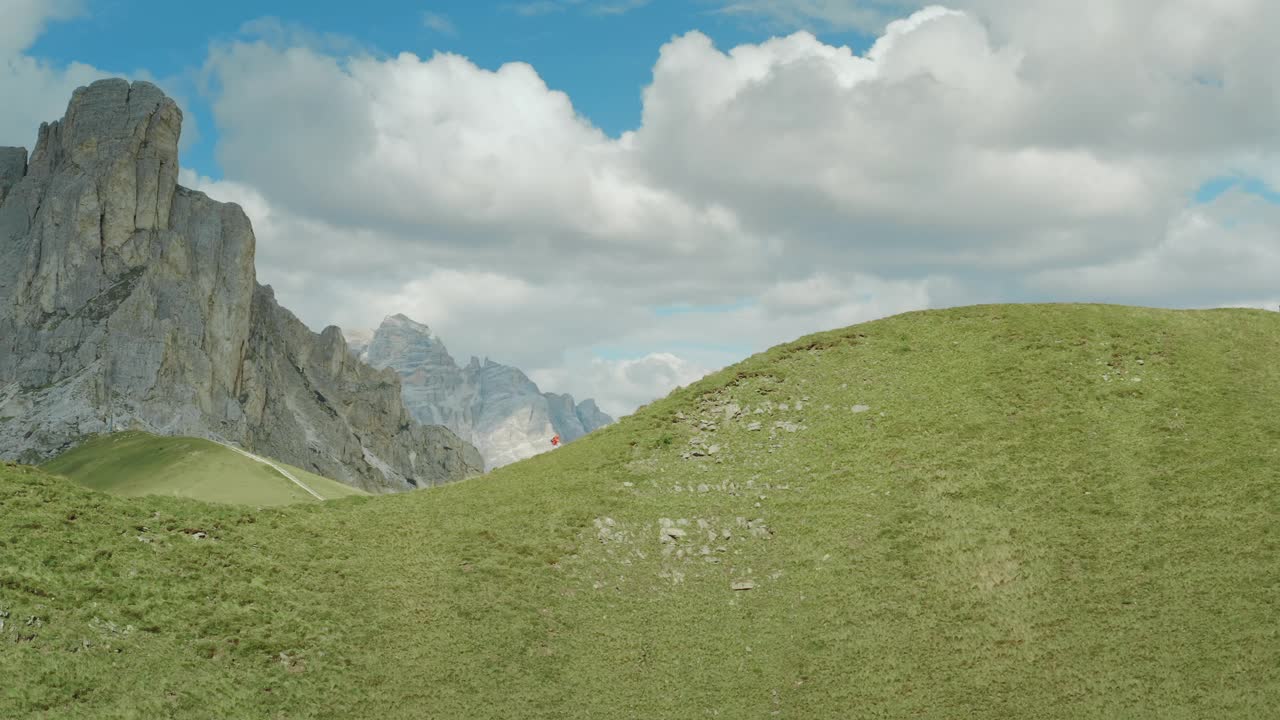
column 494, row 406
column 402, row 321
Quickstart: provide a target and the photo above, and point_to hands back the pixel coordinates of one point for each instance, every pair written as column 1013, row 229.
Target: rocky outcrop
column 13, row 166
column 129, row 301
column 496, row 407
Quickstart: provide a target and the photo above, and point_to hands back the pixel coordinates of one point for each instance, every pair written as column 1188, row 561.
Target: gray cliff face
column 13, row 166
column 496, row 407
column 129, row 301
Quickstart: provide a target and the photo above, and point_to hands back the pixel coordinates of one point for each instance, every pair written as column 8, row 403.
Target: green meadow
column 136, row 463
column 1015, row 511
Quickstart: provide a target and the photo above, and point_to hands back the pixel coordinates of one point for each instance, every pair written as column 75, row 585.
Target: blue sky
column 600, row 53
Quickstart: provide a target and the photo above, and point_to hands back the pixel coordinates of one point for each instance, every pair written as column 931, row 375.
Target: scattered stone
column 703, row 488
column 671, row 533
column 754, row 426
column 787, row 425
column 742, row 585
column 628, row 484
column 675, row 576
column 731, row 411
column 713, row 449
column 860, row 408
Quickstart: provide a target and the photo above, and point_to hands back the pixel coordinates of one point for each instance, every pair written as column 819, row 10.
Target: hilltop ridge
column 1060, row 511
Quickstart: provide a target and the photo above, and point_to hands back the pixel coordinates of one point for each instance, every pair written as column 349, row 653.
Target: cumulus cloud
column 620, row 386
column 25, row 20
column 1227, row 249
column 988, row 151
column 43, row 88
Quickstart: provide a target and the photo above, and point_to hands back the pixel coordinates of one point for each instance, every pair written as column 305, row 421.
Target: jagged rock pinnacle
column 494, row 406
column 129, row 301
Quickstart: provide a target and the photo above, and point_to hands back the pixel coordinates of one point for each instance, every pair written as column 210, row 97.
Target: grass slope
column 137, row 463
column 1045, row 511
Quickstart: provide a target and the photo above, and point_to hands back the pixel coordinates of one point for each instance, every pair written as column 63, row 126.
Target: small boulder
column 671, row 533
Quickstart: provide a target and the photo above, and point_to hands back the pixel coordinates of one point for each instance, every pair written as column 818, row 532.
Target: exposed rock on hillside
column 494, row 406
column 129, row 301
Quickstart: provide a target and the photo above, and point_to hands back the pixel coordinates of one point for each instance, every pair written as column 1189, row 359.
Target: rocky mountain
column 496, row 407
column 127, row 301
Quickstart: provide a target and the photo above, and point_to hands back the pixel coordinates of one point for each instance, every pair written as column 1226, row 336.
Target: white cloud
column 1227, row 249
column 42, row 88
column 25, row 20
column 440, row 23
column 620, row 386
column 987, row 152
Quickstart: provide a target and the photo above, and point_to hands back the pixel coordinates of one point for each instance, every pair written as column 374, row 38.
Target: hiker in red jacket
column 555, row 441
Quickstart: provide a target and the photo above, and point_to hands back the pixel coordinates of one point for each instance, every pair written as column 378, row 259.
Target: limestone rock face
column 13, row 166
column 129, row 301
column 496, row 407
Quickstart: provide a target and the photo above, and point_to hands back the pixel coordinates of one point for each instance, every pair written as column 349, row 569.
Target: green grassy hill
column 987, row 512
column 137, row 463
